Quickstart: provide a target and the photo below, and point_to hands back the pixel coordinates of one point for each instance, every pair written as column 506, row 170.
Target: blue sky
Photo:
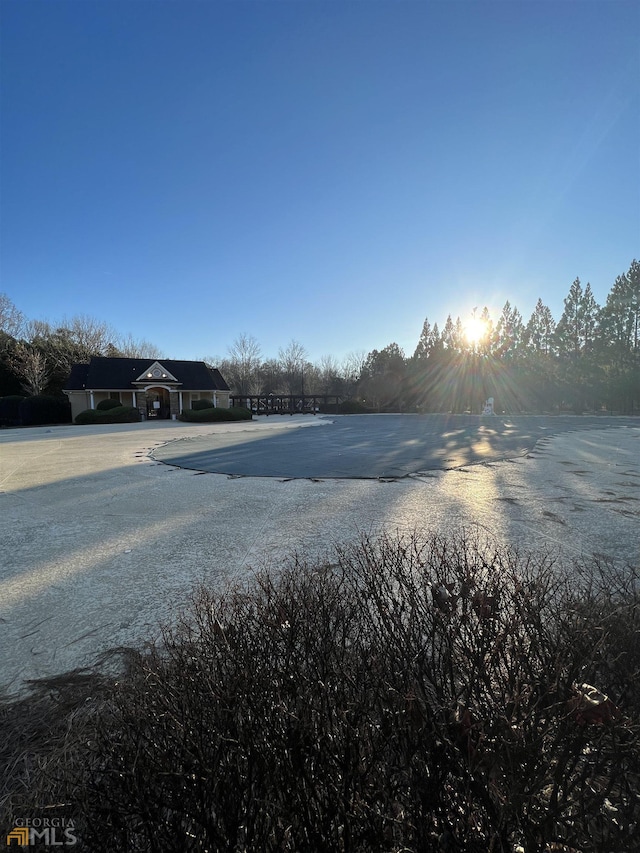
column 328, row 171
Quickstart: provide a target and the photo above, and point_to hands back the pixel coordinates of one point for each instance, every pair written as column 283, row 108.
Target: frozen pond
column 372, row 446
column 101, row 541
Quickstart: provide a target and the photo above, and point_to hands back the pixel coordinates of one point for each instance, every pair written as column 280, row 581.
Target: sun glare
column 475, row 329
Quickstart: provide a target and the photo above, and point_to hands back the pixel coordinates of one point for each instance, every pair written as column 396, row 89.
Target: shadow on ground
column 372, row 446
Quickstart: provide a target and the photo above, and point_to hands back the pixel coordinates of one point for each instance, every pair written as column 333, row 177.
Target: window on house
column 114, row 395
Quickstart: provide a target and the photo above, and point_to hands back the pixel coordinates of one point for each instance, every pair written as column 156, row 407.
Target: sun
column 475, row 330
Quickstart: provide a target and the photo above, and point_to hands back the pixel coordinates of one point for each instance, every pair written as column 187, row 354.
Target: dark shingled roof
column 118, row 374
column 77, row 381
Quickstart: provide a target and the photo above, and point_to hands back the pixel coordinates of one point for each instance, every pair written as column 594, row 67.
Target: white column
column 91, row 399
column 134, row 402
column 215, row 400
column 180, row 399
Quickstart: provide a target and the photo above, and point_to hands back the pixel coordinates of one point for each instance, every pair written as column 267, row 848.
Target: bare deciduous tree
column 34, row 329
column 30, row 365
column 12, row 320
column 244, row 364
column 128, row 347
column 90, row 335
column 352, row 365
column 292, row 359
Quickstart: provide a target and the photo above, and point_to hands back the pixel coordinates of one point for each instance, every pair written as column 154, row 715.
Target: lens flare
column 475, row 330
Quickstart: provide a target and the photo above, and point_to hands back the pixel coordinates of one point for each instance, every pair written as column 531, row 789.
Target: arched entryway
column 158, row 405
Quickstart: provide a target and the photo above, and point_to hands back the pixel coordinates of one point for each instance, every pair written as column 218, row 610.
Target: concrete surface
column 100, row 542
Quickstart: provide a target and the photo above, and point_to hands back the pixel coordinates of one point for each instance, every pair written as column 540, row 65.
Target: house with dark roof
column 157, row 388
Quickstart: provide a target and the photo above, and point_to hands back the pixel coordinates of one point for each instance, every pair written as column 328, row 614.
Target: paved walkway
column 101, row 541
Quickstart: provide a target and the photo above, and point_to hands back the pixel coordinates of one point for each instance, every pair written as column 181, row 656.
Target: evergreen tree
column 633, row 277
column 487, row 344
column 448, row 334
column 383, row 378
column 619, row 341
column 509, row 332
column 620, row 318
column 569, row 329
column 460, row 343
column 590, row 310
column 425, row 343
column 539, row 335
column 581, row 374
column 576, row 331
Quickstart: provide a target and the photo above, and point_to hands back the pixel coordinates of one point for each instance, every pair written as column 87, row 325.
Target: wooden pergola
column 288, row 404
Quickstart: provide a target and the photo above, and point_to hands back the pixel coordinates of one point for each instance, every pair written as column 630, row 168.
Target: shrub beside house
column 37, row 410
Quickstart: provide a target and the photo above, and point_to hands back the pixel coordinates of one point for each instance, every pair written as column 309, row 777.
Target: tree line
column 587, row 360
column 36, row 355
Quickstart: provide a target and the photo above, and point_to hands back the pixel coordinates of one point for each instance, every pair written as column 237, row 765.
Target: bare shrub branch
column 415, row 694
